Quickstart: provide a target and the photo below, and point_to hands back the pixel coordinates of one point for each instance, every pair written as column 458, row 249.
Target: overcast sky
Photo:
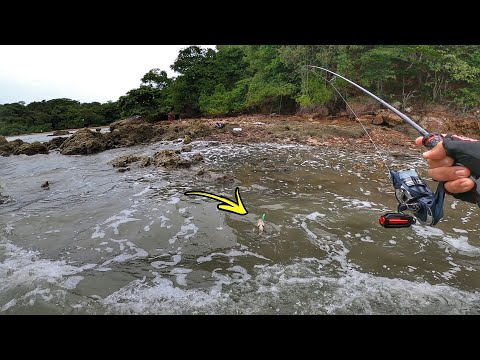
column 85, row 73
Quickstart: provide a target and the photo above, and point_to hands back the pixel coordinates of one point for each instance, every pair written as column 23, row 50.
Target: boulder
column 55, row 143
column 362, row 108
column 123, row 161
column 8, row 148
column 170, row 159
column 83, row 142
column 132, row 131
column 60, row 133
column 31, row 149
column 432, row 123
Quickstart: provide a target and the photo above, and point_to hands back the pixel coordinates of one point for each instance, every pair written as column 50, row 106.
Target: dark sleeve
column 464, row 152
column 467, row 153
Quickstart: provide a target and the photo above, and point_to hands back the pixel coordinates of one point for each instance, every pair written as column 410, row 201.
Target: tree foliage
column 235, row 79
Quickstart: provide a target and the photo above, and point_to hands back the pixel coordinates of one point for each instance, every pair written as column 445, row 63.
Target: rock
column 397, row 104
column 55, row 143
column 432, row 123
column 31, row 149
column 201, row 172
column 83, row 142
column 98, row 129
column 225, row 179
column 145, row 161
column 197, row 158
column 187, row 148
column 378, row 119
column 131, row 131
column 8, row 148
column 320, row 112
column 46, row 185
column 237, row 131
column 362, row 108
column 123, row 161
column 187, row 139
column 17, row 142
column 123, row 169
column 134, row 120
column 60, row 132
column 4, row 199
column 389, row 118
column 3, row 140
column 170, row 159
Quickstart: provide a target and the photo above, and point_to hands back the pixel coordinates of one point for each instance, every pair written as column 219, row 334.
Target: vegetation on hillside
column 241, row 79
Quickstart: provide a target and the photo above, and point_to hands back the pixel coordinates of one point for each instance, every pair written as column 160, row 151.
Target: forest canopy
column 243, row 79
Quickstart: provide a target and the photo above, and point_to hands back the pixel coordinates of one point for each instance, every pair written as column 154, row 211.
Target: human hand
column 457, row 178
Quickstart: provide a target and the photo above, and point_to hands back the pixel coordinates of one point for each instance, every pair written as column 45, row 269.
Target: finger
column 437, row 153
column 449, row 173
column 459, row 186
column 447, row 161
column 419, row 140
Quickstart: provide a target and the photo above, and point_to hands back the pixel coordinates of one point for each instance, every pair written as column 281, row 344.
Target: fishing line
column 356, row 118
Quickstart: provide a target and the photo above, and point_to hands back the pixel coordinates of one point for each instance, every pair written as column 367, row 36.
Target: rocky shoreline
column 384, row 128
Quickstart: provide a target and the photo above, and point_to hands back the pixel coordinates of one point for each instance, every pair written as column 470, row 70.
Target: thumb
column 437, row 153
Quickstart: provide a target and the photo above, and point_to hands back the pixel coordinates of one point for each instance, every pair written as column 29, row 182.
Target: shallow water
column 99, row 241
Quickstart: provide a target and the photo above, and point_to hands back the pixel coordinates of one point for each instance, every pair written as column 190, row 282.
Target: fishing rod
column 412, row 193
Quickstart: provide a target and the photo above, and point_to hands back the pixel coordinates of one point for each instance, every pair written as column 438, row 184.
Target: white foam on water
column 138, row 253
column 181, row 275
column 163, row 264
column 143, row 192
column 426, row 231
column 460, row 231
column 147, row 227
column 114, row 222
column 52, row 231
column 299, row 288
column 174, row 200
column 72, row 282
column 98, row 233
column 187, row 230
column 161, row 297
column 240, row 273
column 461, row 244
column 315, row 215
column 230, row 254
column 22, row 270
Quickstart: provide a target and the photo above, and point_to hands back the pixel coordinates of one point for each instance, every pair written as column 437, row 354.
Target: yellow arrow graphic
column 234, row 207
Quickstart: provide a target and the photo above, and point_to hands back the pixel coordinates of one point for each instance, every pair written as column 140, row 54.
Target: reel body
column 414, row 196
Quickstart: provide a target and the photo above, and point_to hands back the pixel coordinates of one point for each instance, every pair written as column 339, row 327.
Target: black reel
column 416, row 197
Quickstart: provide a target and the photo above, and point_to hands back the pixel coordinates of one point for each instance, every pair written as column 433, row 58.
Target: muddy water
column 99, row 241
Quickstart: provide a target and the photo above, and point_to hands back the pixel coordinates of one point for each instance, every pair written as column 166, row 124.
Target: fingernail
column 426, row 153
column 461, row 173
